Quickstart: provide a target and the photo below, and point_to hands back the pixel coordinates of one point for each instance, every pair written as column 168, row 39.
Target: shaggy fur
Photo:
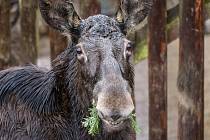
column 46, row 105
column 39, row 104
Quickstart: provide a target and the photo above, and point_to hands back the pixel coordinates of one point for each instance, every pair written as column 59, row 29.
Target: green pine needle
column 134, row 124
column 92, row 122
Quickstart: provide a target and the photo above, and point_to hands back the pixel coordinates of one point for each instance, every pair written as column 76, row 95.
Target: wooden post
column 29, row 30
column 109, row 7
column 191, row 71
column 5, row 36
column 58, row 43
column 87, row 8
column 158, row 72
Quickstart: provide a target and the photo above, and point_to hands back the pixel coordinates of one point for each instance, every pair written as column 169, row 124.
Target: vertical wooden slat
column 191, row 71
column 4, row 33
column 29, row 30
column 109, row 7
column 157, row 72
column 86, row 8
column 58, row 43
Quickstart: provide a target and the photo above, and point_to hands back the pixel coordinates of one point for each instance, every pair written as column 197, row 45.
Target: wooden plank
column 86, row 8
column 29, row 30
column 158, row 72
column 5, row 35
column 191, row 71
column 58, row 43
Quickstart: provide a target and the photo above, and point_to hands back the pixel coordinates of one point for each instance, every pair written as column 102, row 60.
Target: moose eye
column 79, row 51
column 81, row 56
column 129, row 49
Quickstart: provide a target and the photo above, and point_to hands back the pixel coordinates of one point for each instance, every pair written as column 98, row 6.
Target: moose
column 96, row 67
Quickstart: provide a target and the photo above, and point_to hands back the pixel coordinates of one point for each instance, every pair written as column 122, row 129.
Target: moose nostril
column 115, row 117
column 100, row 114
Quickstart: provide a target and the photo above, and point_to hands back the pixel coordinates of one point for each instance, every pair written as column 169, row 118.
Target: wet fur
column 38, row 104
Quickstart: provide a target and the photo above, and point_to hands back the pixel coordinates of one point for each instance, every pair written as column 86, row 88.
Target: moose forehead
column 101, row 26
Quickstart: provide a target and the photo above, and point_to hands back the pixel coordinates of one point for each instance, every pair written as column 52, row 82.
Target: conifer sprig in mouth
column 92, row 122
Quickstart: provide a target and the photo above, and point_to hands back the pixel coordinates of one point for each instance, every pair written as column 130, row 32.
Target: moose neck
column 75, row 100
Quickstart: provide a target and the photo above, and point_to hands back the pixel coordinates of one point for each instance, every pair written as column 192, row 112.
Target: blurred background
column 25, row 38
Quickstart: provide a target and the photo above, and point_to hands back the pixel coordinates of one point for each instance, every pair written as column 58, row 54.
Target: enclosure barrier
column 158, row 72
column 190, row 76
column 191, row 71
column 4, row 33
column 27, row 36
column 29, row 28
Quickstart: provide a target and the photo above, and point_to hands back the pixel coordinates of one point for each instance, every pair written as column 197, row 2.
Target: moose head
column 104, row 54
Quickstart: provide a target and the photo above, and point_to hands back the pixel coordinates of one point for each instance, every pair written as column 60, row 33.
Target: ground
column 141, row 90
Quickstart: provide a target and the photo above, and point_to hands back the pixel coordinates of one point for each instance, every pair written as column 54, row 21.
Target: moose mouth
column 114, row 125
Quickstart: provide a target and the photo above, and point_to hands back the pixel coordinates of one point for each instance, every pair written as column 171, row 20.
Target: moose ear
column 119, row 16
column 133, row 12
column 60, row 15
column 121, row 20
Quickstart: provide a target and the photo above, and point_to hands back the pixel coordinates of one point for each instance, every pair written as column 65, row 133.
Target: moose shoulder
column 38, row 104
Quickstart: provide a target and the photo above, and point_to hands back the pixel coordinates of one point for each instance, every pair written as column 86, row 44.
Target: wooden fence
column 158, row 72
column 190, row 76
column 27, row 36
column 191, row 65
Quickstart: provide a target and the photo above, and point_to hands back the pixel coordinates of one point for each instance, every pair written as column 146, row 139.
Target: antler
column 135, row 11
column 60, row 14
